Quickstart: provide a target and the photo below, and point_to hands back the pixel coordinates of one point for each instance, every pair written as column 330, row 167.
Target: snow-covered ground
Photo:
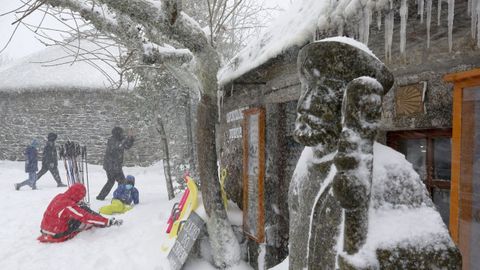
column 135, row 245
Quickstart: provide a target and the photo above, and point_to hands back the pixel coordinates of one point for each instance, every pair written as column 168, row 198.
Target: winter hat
column 76, row 192
column 117, row 132
column 34, row 143
column 130, row 179
column 52, row 136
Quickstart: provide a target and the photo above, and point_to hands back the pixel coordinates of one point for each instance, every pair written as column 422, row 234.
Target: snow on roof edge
column 292, row 28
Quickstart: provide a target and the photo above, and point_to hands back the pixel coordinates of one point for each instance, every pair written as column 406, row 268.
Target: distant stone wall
column 83, row 116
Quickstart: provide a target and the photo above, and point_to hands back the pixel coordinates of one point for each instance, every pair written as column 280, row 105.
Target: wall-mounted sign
column 410, row 99
column 235, row 115
column 254, row 173
column 187, row 236
column 235, row 133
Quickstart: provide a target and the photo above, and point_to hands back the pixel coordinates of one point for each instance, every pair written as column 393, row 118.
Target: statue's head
column 325, row 69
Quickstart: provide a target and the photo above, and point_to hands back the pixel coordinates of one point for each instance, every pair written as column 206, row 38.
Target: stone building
column 45, row 93
column 261, row 86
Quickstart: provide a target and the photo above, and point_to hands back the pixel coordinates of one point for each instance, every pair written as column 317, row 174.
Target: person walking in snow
column 50, row 160
column 123, row 197
column 31, row 166
column 113, row 160
column 67, row 215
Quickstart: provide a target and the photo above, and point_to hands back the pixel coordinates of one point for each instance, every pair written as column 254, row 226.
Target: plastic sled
column 46, row 238
column 181, row 212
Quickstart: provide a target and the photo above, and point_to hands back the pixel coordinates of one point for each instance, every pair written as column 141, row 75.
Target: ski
column 75, row 161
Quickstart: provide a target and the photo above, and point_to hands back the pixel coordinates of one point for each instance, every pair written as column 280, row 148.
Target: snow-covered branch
column 104, row 21
column 154, row 15
column 153, row 54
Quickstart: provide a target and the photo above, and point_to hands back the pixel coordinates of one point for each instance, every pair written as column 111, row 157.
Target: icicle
column 439, row 12
column 340, row 29
column 389, row 22
column 357, row 32
column 421, row 7
column 403, row 25
column 367, row 21
column 429, row 20
column 451, row 13
column 360, row 31
column 473, row 16
column 379, row 19
column 477, row 19
column 469, row 7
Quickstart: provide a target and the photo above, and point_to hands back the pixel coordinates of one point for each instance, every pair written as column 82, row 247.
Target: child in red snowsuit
column 65, row 217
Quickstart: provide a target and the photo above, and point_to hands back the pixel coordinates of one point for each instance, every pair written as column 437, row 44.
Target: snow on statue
column 356, row 204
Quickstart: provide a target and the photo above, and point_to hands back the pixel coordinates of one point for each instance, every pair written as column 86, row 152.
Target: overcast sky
column 24, row 41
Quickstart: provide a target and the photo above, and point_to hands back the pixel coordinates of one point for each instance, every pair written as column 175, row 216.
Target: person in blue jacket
column 31, row 166
column 124, row 197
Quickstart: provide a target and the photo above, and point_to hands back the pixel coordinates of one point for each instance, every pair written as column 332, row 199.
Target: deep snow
column 135, row 245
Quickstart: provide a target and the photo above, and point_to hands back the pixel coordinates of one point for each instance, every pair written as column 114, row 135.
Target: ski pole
column 86, row 171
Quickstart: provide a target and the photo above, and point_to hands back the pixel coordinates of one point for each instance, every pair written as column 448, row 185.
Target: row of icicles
column 364, row 9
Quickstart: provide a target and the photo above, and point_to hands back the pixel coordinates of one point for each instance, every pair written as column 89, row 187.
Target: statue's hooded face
column 325, row 69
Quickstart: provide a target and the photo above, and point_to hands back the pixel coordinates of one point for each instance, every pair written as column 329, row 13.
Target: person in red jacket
column 67, row 215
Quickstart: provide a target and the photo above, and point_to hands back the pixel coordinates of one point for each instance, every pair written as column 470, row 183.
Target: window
column 429, row 151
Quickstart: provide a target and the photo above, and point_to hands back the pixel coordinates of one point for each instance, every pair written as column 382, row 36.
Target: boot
column 17, row 186
column 61, row 184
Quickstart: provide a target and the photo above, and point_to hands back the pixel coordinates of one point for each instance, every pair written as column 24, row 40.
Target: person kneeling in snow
column 66, row 216
column 123, row 197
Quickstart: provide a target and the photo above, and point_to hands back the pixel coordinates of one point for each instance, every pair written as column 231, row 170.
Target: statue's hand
column 348, row 189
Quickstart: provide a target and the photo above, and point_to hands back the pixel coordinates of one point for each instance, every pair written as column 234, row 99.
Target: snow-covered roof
column 293, row 27
column 59, row 67
column 299, row 24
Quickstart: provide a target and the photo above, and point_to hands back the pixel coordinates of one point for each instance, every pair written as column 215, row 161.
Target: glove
column 115, row 222
column 83, row 204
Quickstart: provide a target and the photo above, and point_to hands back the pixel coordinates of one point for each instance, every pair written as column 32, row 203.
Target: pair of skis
column 75, row 161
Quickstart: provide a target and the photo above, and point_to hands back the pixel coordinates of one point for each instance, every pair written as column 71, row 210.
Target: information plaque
column 189, row 232
column 254, row 173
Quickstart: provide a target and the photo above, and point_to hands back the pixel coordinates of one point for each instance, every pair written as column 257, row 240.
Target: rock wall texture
column 83, row 116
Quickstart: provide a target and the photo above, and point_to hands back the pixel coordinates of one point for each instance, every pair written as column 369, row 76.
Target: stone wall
column 437, row 104
column 275, row 89
column 83, row 116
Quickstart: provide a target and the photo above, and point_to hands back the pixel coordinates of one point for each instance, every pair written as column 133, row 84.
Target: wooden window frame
column 259, row 238
column 429, row 135
column 461, row 80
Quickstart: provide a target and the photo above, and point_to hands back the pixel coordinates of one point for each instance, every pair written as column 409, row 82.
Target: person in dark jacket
column 66, row 216
column 50, row 161
column 113, row 160
column 31, row 166
column 123, row 197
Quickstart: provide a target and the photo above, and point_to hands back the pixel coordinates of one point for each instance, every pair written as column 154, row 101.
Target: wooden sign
column 189, row 232
column 254, row 173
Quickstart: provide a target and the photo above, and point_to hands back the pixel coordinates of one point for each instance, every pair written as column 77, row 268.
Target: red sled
column 46, row 238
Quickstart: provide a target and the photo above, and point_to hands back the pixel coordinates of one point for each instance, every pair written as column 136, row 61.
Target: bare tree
column 166, row 161
column 229, row 24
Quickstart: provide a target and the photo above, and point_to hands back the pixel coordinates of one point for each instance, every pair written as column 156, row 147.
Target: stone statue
column 346, row 187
